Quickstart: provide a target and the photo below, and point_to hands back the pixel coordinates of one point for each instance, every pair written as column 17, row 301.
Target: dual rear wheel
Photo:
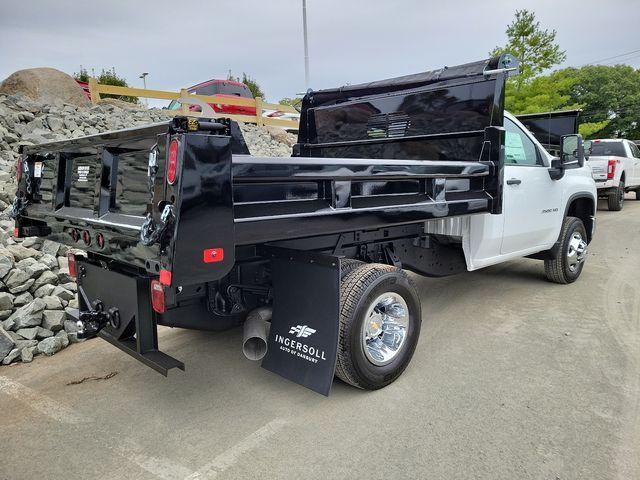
column 380, row 321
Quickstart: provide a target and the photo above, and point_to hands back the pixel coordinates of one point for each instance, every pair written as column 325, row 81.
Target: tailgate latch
column 151, row 232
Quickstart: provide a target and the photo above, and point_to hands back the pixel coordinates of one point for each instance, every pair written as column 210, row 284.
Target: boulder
column 20, row 253
column 53, row 303
column 6, row 301
column 47, row 277
column 6, row 344
column 44, row 333
column 63, row 293
column 26, row 354
column 13, row 354
column 6, row 262
column 22, row 299
column 50, row 345
column 28, row 333
column 44, row 290
column 64, row 338
column 30, row 315
column 46, row 85
column 49, row 247
column 53, row 319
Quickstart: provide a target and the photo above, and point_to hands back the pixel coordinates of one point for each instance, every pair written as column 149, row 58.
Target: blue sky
column 350, row 41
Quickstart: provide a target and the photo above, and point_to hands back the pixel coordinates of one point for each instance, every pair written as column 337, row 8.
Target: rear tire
column 567, row 266
column 615, row 201
column 637, row 193
column 347, row 265
column 375, row 302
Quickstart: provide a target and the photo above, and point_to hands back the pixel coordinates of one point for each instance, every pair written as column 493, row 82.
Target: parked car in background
column 85, row 88
column 615, row 166
column 221, row 88
column 281, row 115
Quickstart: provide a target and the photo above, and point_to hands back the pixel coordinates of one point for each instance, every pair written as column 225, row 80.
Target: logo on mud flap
column 302, row 331
column 310, row 353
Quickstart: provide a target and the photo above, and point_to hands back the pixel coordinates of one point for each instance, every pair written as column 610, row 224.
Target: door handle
column 514, row 181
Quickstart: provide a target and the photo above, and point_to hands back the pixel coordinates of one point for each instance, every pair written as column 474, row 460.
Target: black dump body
column 373, row 162
column 549, row 127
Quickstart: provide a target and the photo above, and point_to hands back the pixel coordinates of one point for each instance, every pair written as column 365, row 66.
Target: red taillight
column 19, row 172
column 172, row 163
column 165, row 277
column 71, row 258
column 75, row 235
column 16, row 232
column 86, row 238
column 213, row 255
column 100, row 240
column 157, row 296
column 611, row 169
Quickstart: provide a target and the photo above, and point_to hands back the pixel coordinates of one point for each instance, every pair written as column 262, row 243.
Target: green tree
column 610, row 96
column 82, row 75
column 544, row 93
column 534, row 47
column 249, row 82
column 110, row 77
column 294, row 102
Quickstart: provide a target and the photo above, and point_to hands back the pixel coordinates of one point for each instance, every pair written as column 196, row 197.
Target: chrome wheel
column 576, row 251
column 385, row 328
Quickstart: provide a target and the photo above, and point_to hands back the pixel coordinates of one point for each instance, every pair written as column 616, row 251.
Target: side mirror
column 571, row 150
column 571, row 155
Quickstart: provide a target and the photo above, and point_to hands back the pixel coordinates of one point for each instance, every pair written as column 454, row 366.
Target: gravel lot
column 513, row 378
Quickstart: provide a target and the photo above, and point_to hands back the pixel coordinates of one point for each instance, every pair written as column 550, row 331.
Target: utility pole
column 306, row 44
column 144, row 82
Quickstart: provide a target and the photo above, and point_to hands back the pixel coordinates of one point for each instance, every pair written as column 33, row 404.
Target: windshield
column 603, row 149
column 224, row 88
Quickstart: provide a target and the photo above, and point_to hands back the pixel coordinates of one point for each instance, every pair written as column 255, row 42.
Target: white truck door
column 635, row 157
column 531, row 201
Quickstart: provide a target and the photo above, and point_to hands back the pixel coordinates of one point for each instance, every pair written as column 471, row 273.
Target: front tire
column 615, row 201
column 380, row 319
column 568, row 265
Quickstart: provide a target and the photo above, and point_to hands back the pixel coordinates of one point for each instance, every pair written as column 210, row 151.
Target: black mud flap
column 303, row 339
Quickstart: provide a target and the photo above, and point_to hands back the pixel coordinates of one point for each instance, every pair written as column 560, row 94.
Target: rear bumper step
column 159, row 361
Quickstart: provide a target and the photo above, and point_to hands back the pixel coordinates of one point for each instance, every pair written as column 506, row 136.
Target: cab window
column 635, row 151
column 519, row 149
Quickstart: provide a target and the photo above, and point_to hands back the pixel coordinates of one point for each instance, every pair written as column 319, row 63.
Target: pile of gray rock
column 36, row 291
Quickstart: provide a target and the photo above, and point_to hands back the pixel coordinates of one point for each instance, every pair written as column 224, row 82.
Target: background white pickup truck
column 615, row 165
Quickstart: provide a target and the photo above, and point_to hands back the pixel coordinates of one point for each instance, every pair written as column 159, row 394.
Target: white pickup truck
column 615, row 165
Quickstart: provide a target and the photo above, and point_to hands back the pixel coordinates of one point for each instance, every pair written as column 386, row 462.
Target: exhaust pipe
column 256, row 331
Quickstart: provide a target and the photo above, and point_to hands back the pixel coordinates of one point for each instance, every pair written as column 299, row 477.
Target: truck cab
column 537, row 197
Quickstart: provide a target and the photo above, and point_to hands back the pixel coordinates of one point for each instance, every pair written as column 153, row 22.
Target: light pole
column 144, row 82
column 306, row 44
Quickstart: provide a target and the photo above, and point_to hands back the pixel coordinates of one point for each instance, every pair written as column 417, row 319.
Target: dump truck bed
column 389, row 153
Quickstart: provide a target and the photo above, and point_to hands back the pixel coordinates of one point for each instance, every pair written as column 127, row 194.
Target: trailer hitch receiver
column 90, row 322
